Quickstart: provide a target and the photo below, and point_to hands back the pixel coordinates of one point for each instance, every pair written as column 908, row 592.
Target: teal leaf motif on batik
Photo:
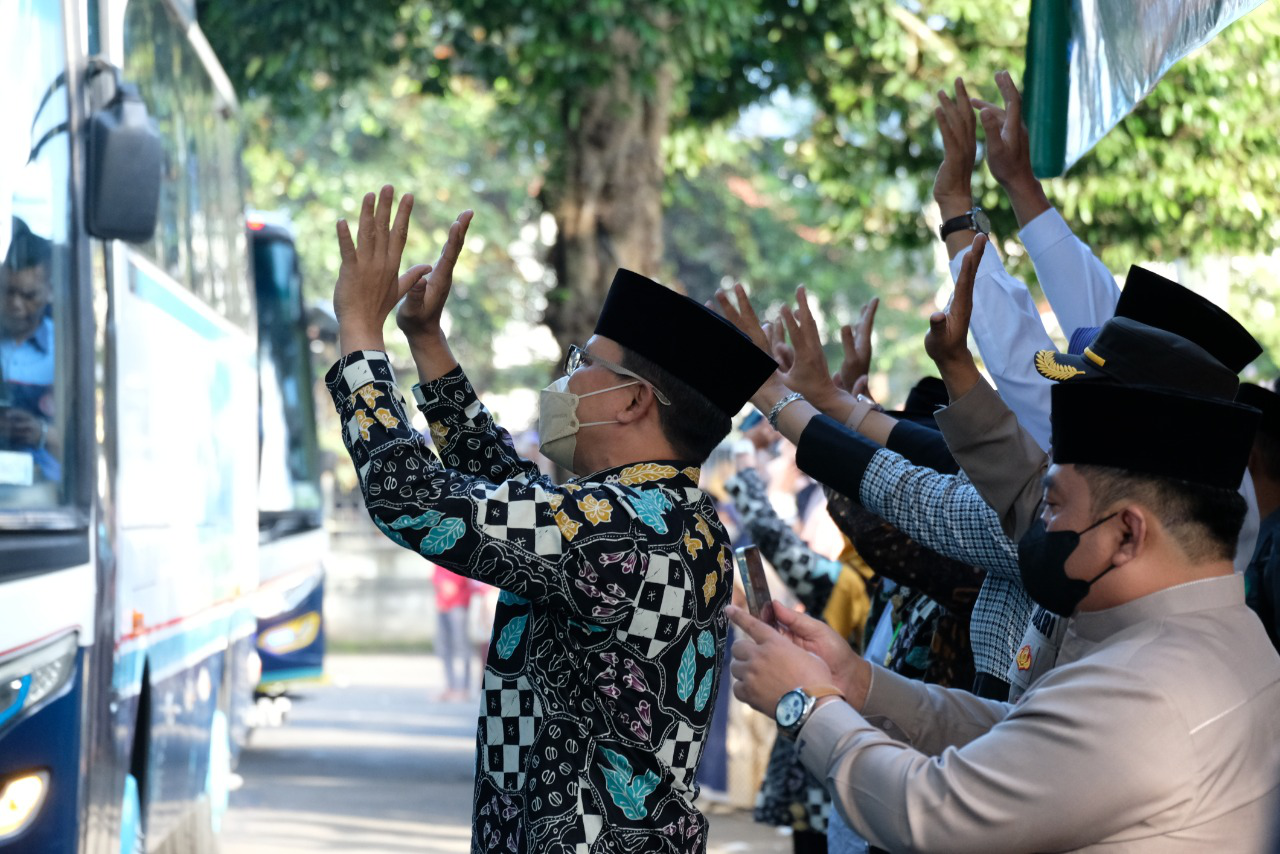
column 427, row 520
column 704, row 690
column 627, row 790
column 442, row 537
column 509, row 638
column 706, row 644
column 649, row 506
column 391, row 535
column 687, row 673
column 506, row 597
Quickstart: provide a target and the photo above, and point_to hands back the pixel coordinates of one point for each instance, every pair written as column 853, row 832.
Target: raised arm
column 1079, row 287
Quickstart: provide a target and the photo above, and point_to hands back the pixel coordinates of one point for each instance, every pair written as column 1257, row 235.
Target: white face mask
column 558, row 420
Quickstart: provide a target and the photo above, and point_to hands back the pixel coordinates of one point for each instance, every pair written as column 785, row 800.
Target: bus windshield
column 36, row 281
column 289, row 479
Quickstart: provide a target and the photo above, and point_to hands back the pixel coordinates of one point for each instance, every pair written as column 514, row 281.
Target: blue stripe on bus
column 180, row 650
column 148, row 288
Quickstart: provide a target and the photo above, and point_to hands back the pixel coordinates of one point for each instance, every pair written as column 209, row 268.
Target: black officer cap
column 1126, row 351
column 684, row 338
column 1156, row 301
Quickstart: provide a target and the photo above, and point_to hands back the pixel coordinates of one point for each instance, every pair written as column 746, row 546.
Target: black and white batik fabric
column 605, row 659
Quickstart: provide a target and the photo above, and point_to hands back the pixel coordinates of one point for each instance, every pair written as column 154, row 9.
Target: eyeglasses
column 578, row 358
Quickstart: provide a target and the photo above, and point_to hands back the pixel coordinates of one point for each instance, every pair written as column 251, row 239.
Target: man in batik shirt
column 605, row 659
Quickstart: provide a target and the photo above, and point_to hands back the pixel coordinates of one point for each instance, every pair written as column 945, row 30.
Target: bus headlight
column 30, row 678
column 20, row 801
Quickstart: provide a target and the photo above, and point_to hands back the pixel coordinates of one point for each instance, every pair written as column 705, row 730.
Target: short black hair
column 692, row 423
column 1267, row 446
column 27, row 249
column 1205, row 521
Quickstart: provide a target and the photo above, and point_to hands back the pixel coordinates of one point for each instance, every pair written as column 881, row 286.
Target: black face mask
column 1042, row 563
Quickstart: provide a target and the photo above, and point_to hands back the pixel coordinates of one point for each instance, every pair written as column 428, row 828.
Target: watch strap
column 964, row 222
column 817, row 692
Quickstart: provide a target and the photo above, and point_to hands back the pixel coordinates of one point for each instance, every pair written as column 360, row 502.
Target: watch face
column 790, row 708
column 981, row 220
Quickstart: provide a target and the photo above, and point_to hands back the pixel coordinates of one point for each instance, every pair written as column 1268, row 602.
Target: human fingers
column 980, row 104
column 416, row 275
column 861, row 386
column 382, row 220
column 866, row 322
column 1012, row 98
column 400, row 229
column 757, row 630
column 364, row 231
column 962, row 300
column 962, row 97
column 453, row 244
column 346, row 246
column 799, row 624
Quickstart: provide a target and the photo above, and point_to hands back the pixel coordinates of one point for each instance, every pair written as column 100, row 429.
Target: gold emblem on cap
column 1094, row 357
column 1049, row 366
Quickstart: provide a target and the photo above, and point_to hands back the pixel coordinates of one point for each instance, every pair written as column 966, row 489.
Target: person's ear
column 1134, row 534
column 637, row 404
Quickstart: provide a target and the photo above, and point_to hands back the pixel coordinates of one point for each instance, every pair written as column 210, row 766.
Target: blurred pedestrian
column 453, row 604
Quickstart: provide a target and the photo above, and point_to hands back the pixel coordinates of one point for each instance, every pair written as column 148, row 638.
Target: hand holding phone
column 754, row 584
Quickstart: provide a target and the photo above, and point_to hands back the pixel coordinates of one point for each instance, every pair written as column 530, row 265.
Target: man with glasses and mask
column 605, row 659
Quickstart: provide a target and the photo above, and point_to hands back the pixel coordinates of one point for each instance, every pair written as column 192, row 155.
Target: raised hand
column 419, row 314
column 369, row 284
column 850, row 671
column 1008, row 147
column 783, row 353
column 809, row 374
column 953, row 185
column 947, row 341
column 856, row 342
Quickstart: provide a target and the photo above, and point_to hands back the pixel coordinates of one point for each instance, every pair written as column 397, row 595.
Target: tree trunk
column 606, row 195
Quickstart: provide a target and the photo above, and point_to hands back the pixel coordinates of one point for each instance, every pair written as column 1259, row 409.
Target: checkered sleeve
column 808, row 574
column 464, row 432
column 519, row 535
column 942, row 512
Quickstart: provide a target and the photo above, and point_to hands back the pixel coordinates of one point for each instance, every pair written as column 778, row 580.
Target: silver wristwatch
column 795, row 707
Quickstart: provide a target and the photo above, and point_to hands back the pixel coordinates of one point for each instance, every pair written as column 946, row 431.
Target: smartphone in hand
column 751, row 567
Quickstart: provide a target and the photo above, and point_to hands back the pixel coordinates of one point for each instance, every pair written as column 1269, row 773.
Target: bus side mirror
column 125, row 156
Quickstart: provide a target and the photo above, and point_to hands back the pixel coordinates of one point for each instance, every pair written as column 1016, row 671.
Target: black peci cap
column 684, row 338
column 1126, row 351
column 1151, row 431
column 1265, row 400
column 1156, row 301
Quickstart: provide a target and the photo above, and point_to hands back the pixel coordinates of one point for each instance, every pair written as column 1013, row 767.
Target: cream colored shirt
column 1157, row 731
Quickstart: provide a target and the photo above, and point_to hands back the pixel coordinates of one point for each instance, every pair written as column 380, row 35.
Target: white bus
column 129, row 421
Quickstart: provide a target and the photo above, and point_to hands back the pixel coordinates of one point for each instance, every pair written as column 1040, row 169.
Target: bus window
column 289, row 463
column 36, row 282
column 199, row 240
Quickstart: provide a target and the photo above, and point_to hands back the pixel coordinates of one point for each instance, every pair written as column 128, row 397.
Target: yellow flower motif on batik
column 438, row 432
column 726, row 560
column 645, row 473
column 385, row 418
column 693, row 473
column 364, row 422
column 703, row 528
column 555, row 501
column 692, row 544
column 708, row 588
column 369, row 393
column 572, row 487
column 568, row 527
column 596, row 510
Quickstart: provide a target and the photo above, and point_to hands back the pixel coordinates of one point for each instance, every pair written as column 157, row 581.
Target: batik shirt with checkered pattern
column 603, row 667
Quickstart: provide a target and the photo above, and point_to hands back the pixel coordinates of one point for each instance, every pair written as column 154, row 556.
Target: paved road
column 367, row 765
